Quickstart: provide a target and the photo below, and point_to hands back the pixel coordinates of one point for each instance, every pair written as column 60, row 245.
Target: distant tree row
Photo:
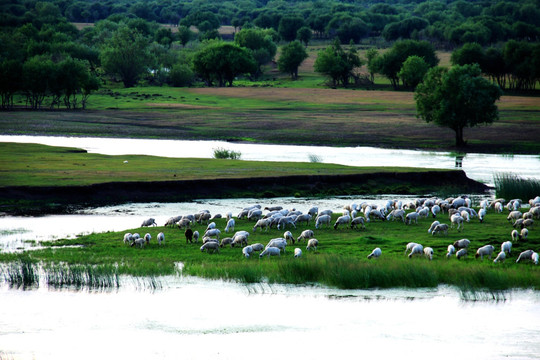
column 447, row 23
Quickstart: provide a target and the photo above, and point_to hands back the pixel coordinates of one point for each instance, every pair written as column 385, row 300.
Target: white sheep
column 534, row 258
column 376, row 253
column 358, row 221
column 525, row 255
column 210, row 245
column 451, row 250
column 312, row 244
column 284, row 221
column 254, row 214
column 500, row 257
column 441, row 228
column 461, row 253
column 396, row 214
column 263, row 223
column 481, row 214
column 423, row 212
column 279, row 243
column 226, row 241
column 410, row 246
column 303, row 218
column 195, row 236
column 212, row 232
column 462, row 244
column 305, row 235
column 326, row 212
column 416, row 250
column 498, row 207
column 342, row 220
column 506, row 247
column 239, row 240
column 297, row 252
column 527, row 223
column 465, row 215
column 457, row 219
column 435, row 210
column 257, row 247
column 515, row 235
column 270, row 251
column 247, row 250
column 230, row 225
column 413, row 216
column 212, row 225
column 433, row 225
column 428, row 252
column 514, row 215
column 524, row 233
column 287, row 235
column 147, row 238
column 161, row 238
column 322, row 220
column 486, row 250
column 273, row 208
column 313, row 211
column 184, row 223
column 138, row 242
column 149, row 222
column 128, row 238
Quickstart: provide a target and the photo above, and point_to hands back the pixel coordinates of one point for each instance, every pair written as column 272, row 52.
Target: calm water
column 479, row 167
column 200, row 319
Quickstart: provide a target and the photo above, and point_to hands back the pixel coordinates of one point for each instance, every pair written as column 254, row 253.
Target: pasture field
column 340, row 260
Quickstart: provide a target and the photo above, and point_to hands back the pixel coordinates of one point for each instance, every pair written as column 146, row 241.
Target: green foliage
column 126, row 55
column 469, row 53
column 181, row 75
column 222, row 62
column 259, row 42
column 202, row 20
column 221, row 153
column 304, row 34
column 457, row 98
column 413, row 71
column 512, row 186
column 337, row 63
column 184, row 35
column 292, row 55
column 289, row 26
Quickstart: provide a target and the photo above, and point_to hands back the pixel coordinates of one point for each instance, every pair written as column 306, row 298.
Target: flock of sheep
column 458, row 211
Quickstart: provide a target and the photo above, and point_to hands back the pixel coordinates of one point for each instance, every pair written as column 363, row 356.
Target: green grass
column 41, row 165
column 339, row 262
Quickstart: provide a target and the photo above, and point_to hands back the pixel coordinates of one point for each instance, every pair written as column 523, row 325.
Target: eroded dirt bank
column 45, row 200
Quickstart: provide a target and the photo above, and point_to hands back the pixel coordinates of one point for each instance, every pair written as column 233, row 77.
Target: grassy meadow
column 340, row 260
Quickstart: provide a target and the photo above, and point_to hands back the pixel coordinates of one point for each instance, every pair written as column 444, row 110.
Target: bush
column 181, row 75
column 221, row 153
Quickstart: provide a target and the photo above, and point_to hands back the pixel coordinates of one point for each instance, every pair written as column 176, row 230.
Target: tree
column 180, row 75
column 304, row 34
column 126, row 54
column 289, row 26
column 469, row 53
column 413, row 71
column 292, row 55
column 184, row 35
column 38, row 73
column 259, row 42
column 457, row 98
column 371, row 55
column 222, row 62
column 10, row 81
column 337, row 63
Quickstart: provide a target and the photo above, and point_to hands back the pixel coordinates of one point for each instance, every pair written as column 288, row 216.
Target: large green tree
column 337, row 63
column 457, row 98
column 292, row 55
column 260, row 44
column 126, row 54
column 222, row 62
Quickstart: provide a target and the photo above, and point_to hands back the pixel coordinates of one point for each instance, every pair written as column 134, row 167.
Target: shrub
column 221, row 153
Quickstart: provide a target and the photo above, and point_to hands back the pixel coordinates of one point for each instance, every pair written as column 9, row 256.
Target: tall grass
column 222, row 153
column 21, row 273
column 512, row 186
column 82, row 276
column 314, row 158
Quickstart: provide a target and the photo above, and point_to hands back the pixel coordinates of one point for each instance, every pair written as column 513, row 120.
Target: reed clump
column 222, row 153
column 82, row 276
column 512, row 186
column 23, row 273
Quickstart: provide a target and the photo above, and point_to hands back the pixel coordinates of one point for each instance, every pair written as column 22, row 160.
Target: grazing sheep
column 515, row 235
column 305, row 235
column 451, row 250
column 326, row 212
column 212, row 232
column 313, row 211
column 527, row 223
column 128, row 238
column 270, row 251
column 342, row 220
column 518, row 223
column 247, row 250
column 230, row 225
column 410, row 246
column 498, row 207
column 376, row 213
column 535, row 258
column 184, row 223
column 416, row 250
column 147, row 238
column 462, row 244
column 423, row 212
column 161, row 238
column 138, row 242
column 149, row 222
column 514, row 215
column 226, row 241
column 457, row 219
column 506, row 247
column 210, row 226
column 524, row 233
column 135, row 236
column 263, row 223
column 461, row 253
column 435, row 210
column 254, row 214
column 500, row 257
column 481, row 214
column 257, row 247
column 376, row 253
column 413, row 216
column 210, row 245
column 358, row 221
column 525, row 255
column 465, row 215
column 297, row 252
column 441, row 228
column 284, row 221
column 321, row 220
column 396, row 214
column 173, row 220
column 433, row 225
column 312, row 244
column 217, row 216
column 195, row 236
column 303, row 218
column 287, row 235
column 239, row 240
column 428, row 252
column 277, row 243
column 203, row 216
column 486, row 250
column 206, row 239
